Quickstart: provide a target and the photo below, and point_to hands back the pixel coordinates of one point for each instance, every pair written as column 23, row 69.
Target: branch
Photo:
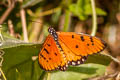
column 7, row 12
column 24, row 25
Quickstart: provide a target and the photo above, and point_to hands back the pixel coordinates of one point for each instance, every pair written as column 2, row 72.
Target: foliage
column 20, row 61
column 83, row 9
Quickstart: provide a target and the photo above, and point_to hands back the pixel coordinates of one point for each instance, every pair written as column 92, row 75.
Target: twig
column 2, row 74
column 45, row 13
column 24, row 26
column 9, row 2
column 118, row 76
column 7, row 12
column 48, row 12
column 35, row 33
column 1, row 37
column 11, row 29
column 94, row 29
column 114, row 59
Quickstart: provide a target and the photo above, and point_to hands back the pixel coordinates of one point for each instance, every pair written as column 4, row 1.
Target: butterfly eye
column 53, row 33
column 51, row 30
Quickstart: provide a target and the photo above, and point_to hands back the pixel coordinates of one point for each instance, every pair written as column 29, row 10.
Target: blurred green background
column 24, row 29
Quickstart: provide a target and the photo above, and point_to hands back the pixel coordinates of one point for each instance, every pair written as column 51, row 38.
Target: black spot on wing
column 55, row 54
column 48, row 44
column 91, row 39
column 42, row 56
column 82, row 38
column 76, row 46
column 46, row 51
column 92, row 43
column 87, row 44
column 49, row 58
column 72, row 36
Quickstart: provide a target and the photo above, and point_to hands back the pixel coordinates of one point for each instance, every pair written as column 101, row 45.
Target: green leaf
column 21, row 71
column 77, row 11
column 17, row 51
column 17, row 55
column 28, row 70
column 99, row 59
column 38, row 73
column 88, row 10
column 100, row 12
column 82, row 9
column 81, row 72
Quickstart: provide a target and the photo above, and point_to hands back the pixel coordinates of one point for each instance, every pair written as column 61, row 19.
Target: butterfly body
column 61, row 49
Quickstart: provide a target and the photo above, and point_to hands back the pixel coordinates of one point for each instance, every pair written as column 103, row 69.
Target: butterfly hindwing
column 71, row 57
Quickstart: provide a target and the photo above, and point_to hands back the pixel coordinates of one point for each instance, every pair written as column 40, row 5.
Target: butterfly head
column 53, row 33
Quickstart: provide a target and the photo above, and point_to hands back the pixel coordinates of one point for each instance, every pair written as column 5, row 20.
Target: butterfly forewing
column 81, row 44
column 50, row 57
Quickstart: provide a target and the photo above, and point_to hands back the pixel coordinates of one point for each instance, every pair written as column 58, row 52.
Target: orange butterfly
column 61, row 49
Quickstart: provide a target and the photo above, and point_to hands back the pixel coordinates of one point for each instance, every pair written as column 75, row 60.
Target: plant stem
column 94, row 20
column 7, row 12
column 24, row 25
column 67, row 20
column 2, row 74
column 1, row 37
column 48, row 76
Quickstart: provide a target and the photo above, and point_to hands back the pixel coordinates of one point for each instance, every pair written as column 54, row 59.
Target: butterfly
column 61, row 49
